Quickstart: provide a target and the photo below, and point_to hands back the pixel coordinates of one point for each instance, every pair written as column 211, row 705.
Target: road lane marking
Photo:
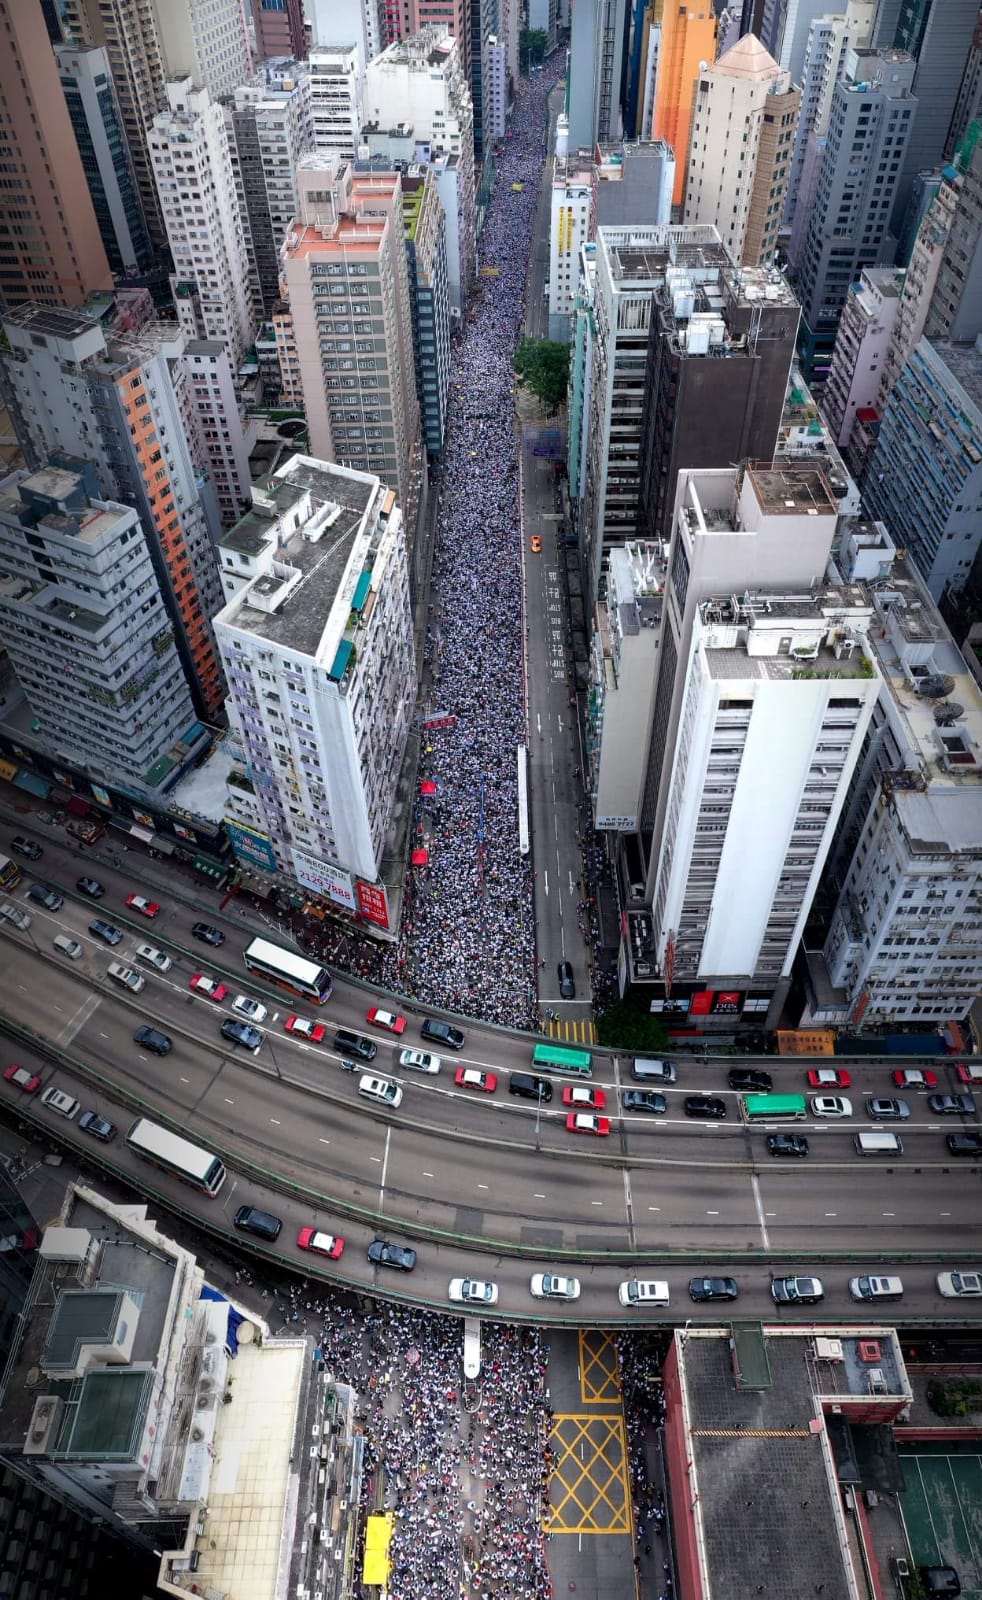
column 538, row 1196
column 376, row 1159
column 427, row 1174
column 759, row 1206
column 229, row 1102
column 275, row 1121
column 183, row 1080
column 323, row 1141
column 596, row 1202
column 482, row 1186
column 831, row 1213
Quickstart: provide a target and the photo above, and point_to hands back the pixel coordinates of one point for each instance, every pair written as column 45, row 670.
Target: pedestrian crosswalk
column 577, row 1030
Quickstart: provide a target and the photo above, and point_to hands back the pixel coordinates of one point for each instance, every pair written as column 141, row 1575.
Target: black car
column 153, row 1039
column 241, row 1033
column 644, row 1100
column 355, row 1044
column 442, row 1033
column 567, row 983
column 787, row 1144
column 207, row 934
column 26, row 847
column 704, row 1105
column 951, row 1105
column 940, row 1581
column 964, row 1144
column 399, row 1256
column 90, row 886
column 751, row 1079
column 105, row 931
column 91, row 1122
column 713, row 1289
column 45, row 896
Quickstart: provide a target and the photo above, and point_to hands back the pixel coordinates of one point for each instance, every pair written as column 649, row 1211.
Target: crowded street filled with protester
column 467, row 941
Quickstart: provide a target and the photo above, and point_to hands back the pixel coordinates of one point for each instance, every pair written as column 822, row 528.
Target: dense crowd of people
column 462, row 1466
column 467, row 941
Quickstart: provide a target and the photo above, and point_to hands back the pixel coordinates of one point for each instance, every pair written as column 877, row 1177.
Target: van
column 643, row 1292
column 69, row 947
column 870, row 1288
column 382, row 1089
column 964, row 1144
column 134, row 981
column 355, row 1044
column 645, row 1070
column 529, row 1086
column 249, row 1219
column 879, row 1143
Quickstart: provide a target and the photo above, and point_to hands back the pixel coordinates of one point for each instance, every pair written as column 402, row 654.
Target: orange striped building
column 688, row 39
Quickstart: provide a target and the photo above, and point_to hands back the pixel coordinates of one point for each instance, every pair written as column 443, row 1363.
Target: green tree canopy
column 532, row 43
column 628, row 1025
column 543, row 368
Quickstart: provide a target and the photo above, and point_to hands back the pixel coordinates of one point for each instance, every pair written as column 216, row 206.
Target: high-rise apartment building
column 129, row 35
column 50, row 246
column 429, row 297
column 570, row 226
column 689, row 367
column 938, row 34
column 336, row 99
column 351, row 22
column 318, row 645
column 917, row 293
column 418, row 107
column 968, row 106
column 191, row 148
column 208, row 372
column 84, row 624
column 205, row 41
column 866, row 328
column 955, row 311
column 829, row 38
column 742, row 136
column 786, row 25
column 91, row 99
column 633, row 182
column 903, row 943
column 688, row 39
column 720, row 347
column 597, row 49
column 925, row 474
column 271, row 127
column 496, row 97
column 849, row 223
column 484, row 16
column 280, row 29
column 75, row 392
column 763, row 695
column 344, row 266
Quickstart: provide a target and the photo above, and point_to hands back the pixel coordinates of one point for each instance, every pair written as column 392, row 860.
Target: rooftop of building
column 639, row 256
column 749, row 59
column 747, row 635
column 938, row 702
column 432, row 48
column 763, row 1458
column 121, row 1260
column 54, row 321
column 299, row 618
column 802, row 489
column 964, row 362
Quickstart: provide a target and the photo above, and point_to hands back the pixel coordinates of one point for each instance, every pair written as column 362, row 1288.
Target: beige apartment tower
column 344, row 266
column 50, row 247
column 744, row 117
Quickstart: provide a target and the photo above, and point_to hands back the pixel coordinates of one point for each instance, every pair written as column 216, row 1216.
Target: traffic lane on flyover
column 662, row 1197
column 438, row 1263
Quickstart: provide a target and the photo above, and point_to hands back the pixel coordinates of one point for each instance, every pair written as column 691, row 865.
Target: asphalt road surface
column 483, row 1168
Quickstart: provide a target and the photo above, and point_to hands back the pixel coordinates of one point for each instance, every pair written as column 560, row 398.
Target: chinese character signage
column 320, row 877
column 255, row 849
column 373, row 903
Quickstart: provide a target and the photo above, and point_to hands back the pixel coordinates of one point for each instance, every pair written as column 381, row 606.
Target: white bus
column 288, row 970
column 175, row 1155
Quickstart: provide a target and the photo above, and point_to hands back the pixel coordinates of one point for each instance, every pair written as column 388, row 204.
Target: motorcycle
column 348, row 1066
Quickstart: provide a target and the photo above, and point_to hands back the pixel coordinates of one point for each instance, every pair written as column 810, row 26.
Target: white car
column 951, row 1284
column 547, row 1286
column 473, row 1292
column 57, row 1100
column 831, row 1105
column 419, row 1061
column 153, row 957
column 643, row 1292
column 253, row 1009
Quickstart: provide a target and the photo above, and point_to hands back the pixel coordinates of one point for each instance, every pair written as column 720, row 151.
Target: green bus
column 783, row 1107
column 551, row 1058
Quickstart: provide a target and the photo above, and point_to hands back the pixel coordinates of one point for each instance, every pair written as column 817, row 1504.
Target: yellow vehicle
column 517, row 188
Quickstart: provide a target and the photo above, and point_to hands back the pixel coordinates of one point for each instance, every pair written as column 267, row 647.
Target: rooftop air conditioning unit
column 44, row 1424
